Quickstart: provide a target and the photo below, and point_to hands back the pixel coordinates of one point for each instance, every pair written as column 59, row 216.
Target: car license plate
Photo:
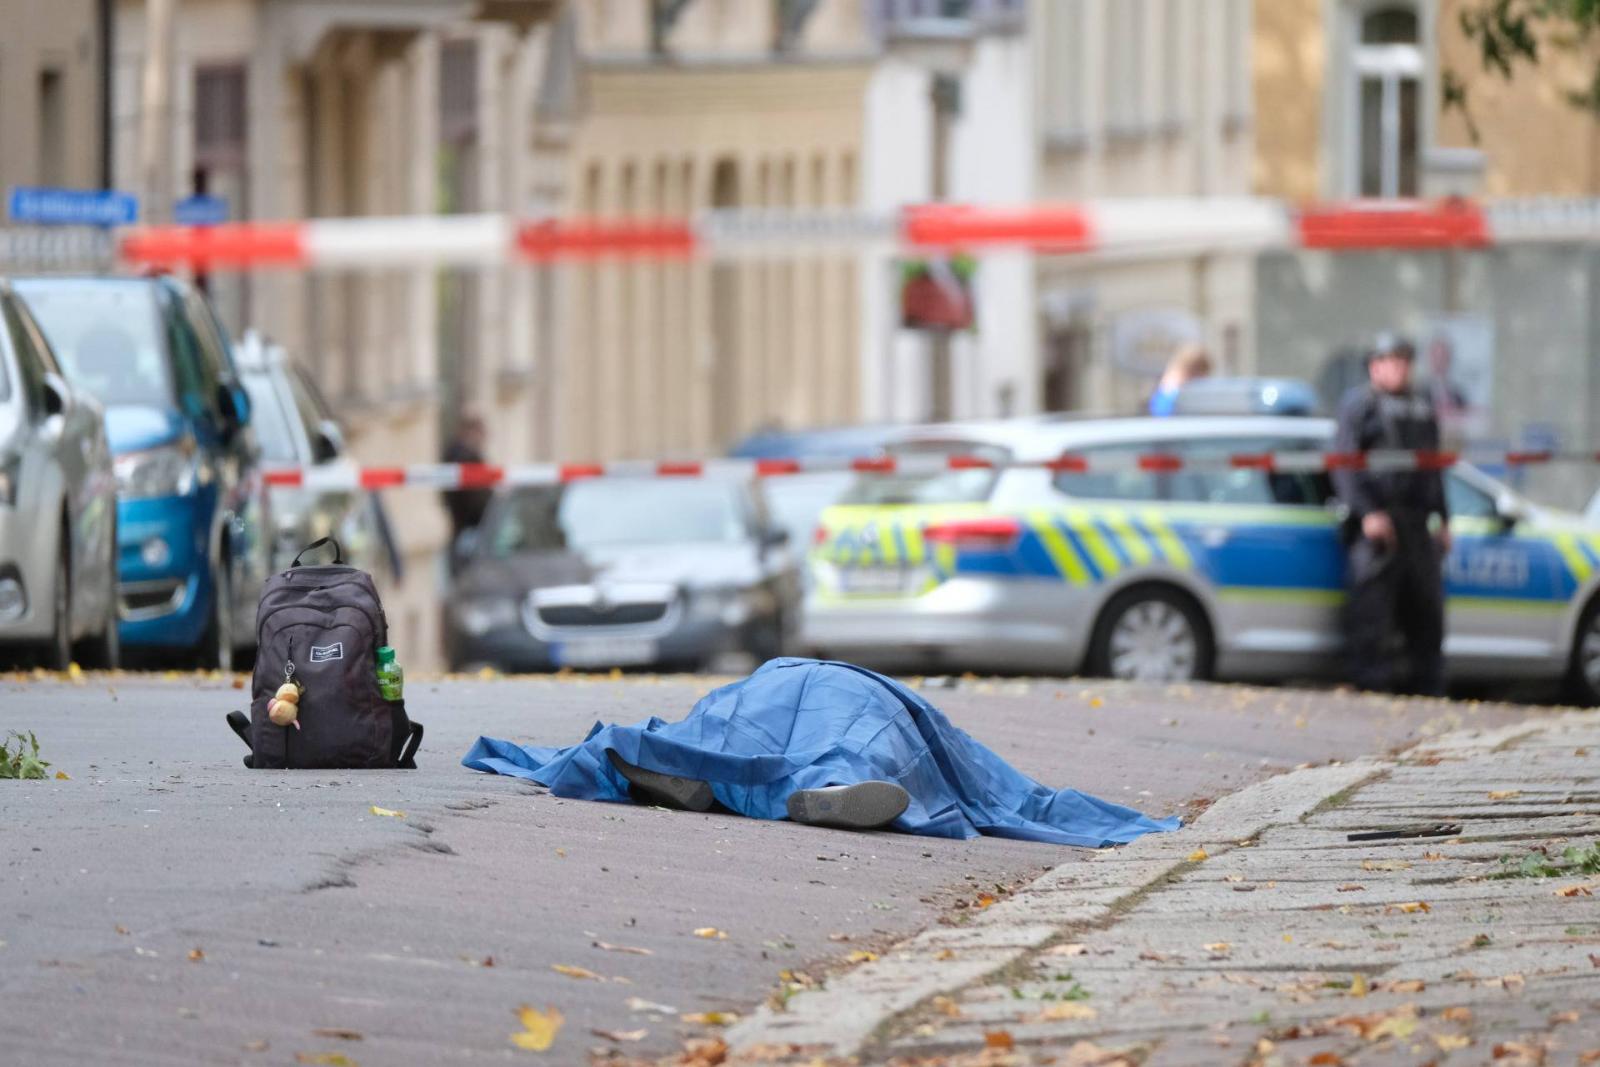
column 881, row 581
column 604, row 652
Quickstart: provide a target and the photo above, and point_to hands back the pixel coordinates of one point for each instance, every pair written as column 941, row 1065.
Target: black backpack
column 321, row 626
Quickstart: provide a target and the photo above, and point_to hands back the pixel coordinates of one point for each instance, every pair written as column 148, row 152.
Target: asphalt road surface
column 166, row 905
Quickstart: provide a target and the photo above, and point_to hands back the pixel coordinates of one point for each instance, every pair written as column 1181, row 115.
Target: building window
column 1125, row 67
column 52, row 123
column 1173, row 65
column 1386, row 90
column 1063, row 68
column 1238, row 76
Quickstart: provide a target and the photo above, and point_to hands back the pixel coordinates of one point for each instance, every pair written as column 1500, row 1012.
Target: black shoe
column 668, row 790
column 863, row 806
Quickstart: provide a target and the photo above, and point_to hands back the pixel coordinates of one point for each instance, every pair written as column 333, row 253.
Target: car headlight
column 731, row 606
column 481, row 614
column 169, row 470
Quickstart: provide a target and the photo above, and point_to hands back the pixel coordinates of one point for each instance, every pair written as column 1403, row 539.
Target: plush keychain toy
column 284, row 707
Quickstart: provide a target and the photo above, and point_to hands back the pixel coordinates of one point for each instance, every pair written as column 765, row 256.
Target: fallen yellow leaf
column 623, row 948
column 1095, row 702
column 575, row 972
column 1385, row 865
column 196, row 956
column 63, row 776
column 1063, row 1012
column 711, row 933
column 1409, row 907
column 711, row 1018
column 985, row 900
column 1410, row 985
column 1358, row 985
column 1395, row 1026
column 1218, row 947
column 327, row 1059
column 1451, row 1042
column 860, row 956
column 338, row 1033
column 946, row 1006
column 1066, row 950
column 1197, row 855
column 1504, row 794
column 387, row 813
column 539, row 1028
column 640, row 1004
column 621, row 1035
column 944, row 954
column 1000, row 1039
column 1457, row 1015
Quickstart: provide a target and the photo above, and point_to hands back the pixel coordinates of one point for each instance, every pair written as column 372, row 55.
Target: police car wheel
column 1152, row 635
column 1584, row 678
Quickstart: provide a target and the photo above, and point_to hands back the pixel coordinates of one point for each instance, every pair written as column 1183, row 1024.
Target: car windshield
column 967, row 486
column 607, row 512
column 5, row 374
column 796, row 500
column 269, row 420
column 107, row 337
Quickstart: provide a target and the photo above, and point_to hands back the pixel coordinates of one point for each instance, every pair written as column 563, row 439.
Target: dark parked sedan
column 622, row 572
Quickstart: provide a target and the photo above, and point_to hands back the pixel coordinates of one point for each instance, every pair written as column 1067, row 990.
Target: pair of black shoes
column 863, row 806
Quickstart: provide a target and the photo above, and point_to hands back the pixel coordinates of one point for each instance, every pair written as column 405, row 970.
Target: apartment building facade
column 1351, row 100
column 51, row 97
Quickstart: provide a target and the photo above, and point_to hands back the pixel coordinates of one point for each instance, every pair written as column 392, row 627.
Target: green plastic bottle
column 391, row 679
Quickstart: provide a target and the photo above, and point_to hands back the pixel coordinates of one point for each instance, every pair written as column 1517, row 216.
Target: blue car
column 191, row 542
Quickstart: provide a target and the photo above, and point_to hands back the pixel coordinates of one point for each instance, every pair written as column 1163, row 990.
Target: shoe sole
column 863, row 806
column 691, row 794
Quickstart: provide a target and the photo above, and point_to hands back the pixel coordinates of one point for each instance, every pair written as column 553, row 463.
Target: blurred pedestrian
column 1397, row 529
column 466, row 506
column 1187, row 363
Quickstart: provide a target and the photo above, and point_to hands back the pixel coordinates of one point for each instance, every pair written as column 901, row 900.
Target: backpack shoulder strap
column 241, row 726
column 408, row 755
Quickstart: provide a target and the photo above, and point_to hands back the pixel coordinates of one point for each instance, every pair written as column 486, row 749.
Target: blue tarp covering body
column 804, row 724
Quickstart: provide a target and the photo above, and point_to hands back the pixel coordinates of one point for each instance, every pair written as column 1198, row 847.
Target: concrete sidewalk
column 1262, row 935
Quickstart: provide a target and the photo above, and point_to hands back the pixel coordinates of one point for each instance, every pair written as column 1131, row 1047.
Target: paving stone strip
column 1262, row 935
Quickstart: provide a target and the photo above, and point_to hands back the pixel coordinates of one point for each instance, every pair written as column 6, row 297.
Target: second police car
column 1169, row 574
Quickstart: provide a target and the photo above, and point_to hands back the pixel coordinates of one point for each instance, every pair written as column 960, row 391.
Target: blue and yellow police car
column 1169, row 573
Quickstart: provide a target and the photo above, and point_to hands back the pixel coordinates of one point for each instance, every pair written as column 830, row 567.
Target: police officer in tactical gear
column 1397, row 529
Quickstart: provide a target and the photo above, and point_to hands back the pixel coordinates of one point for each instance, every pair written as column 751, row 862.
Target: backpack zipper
column 379, row 631
column 288, row 676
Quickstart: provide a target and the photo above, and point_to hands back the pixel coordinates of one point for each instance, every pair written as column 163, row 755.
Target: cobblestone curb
column 1255, row 921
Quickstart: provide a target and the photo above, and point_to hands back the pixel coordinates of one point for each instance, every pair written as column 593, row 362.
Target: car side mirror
column 327, row 443
column 1510, row 511
column 57, row 395
column 234, row 403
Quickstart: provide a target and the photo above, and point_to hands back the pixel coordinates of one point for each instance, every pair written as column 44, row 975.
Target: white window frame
column 1125, row 82
column 1065, row 80
column 1238, row 30
column 1390, row 65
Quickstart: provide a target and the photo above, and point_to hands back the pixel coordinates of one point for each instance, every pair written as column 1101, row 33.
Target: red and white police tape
column 1131, row 228
column 487, row 476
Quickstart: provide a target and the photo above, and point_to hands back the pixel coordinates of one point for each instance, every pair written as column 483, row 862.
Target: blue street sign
column 73, row 207
column 200, row 210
